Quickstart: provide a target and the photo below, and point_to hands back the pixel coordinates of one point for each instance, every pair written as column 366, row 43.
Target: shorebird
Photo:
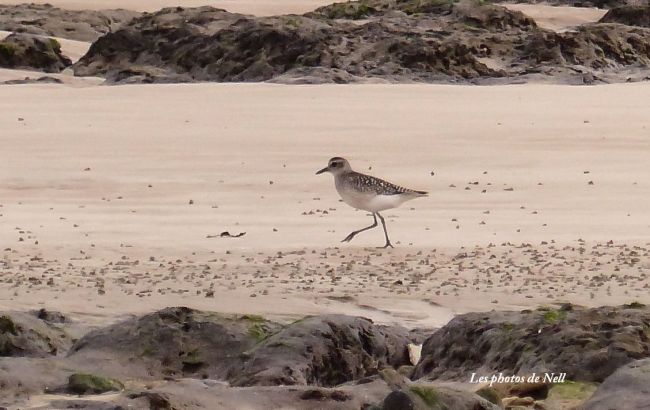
column 366, row 192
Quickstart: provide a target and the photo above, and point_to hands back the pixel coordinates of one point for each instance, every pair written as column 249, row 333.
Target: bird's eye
column 336, row 164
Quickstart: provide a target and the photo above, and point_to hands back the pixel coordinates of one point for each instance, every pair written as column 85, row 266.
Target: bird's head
column 336, row 165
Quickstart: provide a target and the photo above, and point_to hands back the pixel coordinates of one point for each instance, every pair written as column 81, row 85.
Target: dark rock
column 84, row 404
column 83, row 383
column 442, row 397
column 408, row 40
column 596, row 46
column 158, row 41
column 537, row 391
column 193, row 394
column 50, row 316
column 324, row 351
column 629, row 15
column 176, row 341
column 47, row 20
column 31, row 52
column 627, row 388
column 157, row 401
column 25, row 335
column 601, row 4
column 398, row 400
column 40, row 80
column 587, row 344
column 491, row 395
column 429, row 396
column 324, row 395
column 357, row 10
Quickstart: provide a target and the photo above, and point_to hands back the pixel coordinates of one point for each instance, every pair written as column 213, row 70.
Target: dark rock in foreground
column 587, row 344
column 245, row 350
column 324, row 351
column 23, row 335
column 627, row 388
column 422, row 396
column 47, row 20
column 175, row 342
column 373, row 40
column 194, row 359
column 83, row 383
column 31, row 52
column 629, row 15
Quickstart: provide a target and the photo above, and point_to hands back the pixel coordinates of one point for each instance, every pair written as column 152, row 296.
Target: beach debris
column 415, row 352
column 226, row 234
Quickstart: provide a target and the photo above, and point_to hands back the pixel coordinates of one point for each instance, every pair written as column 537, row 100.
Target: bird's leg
column 383, row 223
column 353, row 234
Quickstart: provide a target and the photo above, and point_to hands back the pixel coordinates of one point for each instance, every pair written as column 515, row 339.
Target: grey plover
column 368, row 193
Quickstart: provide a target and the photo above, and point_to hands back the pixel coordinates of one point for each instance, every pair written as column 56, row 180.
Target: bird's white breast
column 369, row 201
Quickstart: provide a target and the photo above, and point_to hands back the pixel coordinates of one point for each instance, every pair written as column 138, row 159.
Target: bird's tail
column 420, row 193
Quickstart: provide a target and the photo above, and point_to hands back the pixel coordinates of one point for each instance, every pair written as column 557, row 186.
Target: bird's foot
column 387, row 245
column 349, row 237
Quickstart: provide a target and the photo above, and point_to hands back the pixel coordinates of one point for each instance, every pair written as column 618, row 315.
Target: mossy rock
column 258, row 327
column 426, row 6
column 254, row 318
column 7, row 325
column 491, row 395
column 349, row 10
column 178, row 341
column 634, row 305
column 427, row 394
column 571, row 390
column 56, row 46
column 553, row 316
column 83, row 383
column 21, row 50
column 7, row 50
column 406, row 370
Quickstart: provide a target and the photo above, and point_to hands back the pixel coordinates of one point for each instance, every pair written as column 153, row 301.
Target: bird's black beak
column 322, row 170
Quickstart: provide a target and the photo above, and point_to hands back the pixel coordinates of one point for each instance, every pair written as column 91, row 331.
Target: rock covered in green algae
column 84, row 383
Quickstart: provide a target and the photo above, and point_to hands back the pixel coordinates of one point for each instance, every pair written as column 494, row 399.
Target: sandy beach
column 98, row 179
column 148, row 220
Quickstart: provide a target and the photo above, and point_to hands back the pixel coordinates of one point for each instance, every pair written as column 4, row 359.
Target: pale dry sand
column 559, row 18
column 96, row 183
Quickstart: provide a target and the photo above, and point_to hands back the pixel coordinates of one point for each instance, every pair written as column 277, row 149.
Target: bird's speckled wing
column 370, row 184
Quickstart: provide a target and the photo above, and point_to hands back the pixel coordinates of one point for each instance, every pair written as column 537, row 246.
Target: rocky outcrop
column 175, row 342
column 30, row 80
column 629, row 15
column 601, row 4
column 47, row 20
column 627, row 388
column 23, row 335
column 324, row 351
column 83, row 383
column 422, row 396
column 331, row 361
column 30, row 52
column 245, row 350
column 380, row 40
column 586, row 344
